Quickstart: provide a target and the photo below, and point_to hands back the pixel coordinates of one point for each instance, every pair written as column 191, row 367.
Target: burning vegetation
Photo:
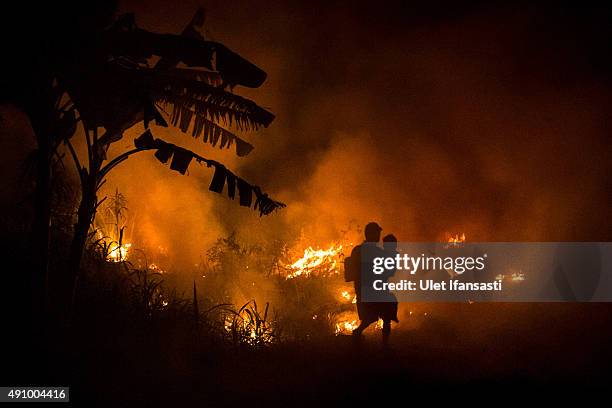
column 320, row 261
column 301, row 285
column 302, row 288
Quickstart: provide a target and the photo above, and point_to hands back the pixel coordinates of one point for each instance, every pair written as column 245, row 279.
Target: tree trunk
column 40, row 114
column 40, row 232
column 85, row 215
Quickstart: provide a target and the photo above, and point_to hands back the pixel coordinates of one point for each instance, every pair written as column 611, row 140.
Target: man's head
column 372, row 232
column 390, row 242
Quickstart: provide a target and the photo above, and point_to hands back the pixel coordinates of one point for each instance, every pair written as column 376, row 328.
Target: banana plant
column 118, row 75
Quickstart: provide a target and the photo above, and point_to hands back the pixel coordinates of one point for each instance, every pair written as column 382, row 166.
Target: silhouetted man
column 368, row 312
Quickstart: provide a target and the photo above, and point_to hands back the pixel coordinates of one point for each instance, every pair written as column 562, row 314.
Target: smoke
column 478, row 122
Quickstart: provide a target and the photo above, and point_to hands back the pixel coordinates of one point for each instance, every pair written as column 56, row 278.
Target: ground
column 560, row 349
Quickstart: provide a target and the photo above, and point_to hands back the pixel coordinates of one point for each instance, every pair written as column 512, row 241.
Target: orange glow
column 114, row 252
column 346, row 326
column 457, row 239
column 324, row 261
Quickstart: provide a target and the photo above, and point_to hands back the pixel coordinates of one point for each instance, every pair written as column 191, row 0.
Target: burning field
column 262, row 294
column 182, row 187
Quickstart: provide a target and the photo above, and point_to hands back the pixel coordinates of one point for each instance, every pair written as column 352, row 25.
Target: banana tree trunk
column 40, row 232
column 85, row 215
column 39, row 111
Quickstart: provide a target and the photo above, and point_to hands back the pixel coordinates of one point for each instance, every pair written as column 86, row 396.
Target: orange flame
column 457, row 239
column 322, row 260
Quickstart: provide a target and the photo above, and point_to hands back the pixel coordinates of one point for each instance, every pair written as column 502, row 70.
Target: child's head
column 390, row 242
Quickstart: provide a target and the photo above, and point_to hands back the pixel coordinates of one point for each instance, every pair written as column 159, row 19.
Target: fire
column 248, row 332
column 346, row 296
column 110, row 227
column 324, row 261
column 457, row 239
column 118, row 253
column 379, row 324
column 114, row 250
column 346, row 326
column 513, row 277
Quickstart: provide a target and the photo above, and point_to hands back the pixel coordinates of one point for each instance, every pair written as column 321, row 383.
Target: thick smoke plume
column 490, row 123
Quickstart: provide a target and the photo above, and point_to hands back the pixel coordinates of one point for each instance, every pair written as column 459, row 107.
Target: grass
column 250, row 326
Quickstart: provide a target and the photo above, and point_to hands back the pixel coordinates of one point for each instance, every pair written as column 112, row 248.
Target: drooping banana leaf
column 180, row 159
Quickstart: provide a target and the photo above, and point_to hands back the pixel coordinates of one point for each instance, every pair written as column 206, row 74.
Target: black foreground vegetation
column 94, row 76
